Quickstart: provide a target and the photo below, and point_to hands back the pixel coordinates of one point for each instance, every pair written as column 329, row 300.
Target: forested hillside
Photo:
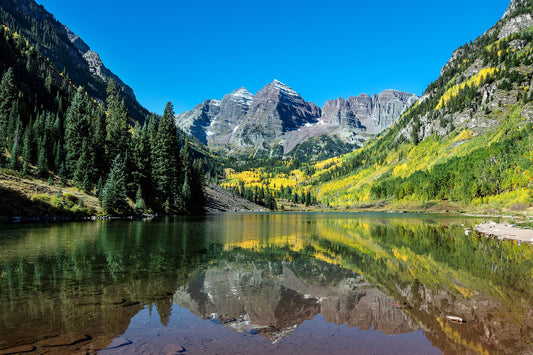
column 66, row 51
column 467, row 142
column 56, row 132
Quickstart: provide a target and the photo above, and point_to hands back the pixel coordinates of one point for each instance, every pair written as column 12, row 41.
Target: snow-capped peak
column 242, row 93
column 284, row 88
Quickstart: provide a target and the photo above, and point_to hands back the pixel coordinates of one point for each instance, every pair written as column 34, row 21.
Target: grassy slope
column 350, row 181
column 28, row 197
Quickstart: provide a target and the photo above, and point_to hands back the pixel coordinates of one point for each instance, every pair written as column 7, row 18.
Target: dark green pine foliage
column 42, row 160
column 98, row 143
column 84, row 175
column 140, row 159
column 27, row 146
column 16, row 150
column 165, row 169
column 7, row 97
column 117, row 137
column 140, row 205
column 186, row 182
column 197, row 188
column 76, row 129
column 113, row 194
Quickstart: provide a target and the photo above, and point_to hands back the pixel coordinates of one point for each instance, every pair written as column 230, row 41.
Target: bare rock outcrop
column 277, row 121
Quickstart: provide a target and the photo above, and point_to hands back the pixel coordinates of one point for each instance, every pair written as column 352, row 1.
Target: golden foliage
column 475, row 80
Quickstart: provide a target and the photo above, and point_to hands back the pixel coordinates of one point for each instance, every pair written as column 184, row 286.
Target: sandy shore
column 505, row 231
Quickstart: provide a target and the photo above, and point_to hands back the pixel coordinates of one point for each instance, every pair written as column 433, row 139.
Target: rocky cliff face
column 275, row 110
column 278, row 122
column 365, row 114
column 66, row 50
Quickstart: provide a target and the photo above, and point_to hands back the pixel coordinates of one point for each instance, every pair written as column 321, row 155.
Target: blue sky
column 189, row 51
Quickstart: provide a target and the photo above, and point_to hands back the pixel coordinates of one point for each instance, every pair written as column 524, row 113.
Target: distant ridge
column 278, row 122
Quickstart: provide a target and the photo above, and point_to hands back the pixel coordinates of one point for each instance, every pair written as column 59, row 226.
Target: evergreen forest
column 54, row 131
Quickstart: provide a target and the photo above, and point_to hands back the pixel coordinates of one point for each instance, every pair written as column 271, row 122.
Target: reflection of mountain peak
column 271, row 299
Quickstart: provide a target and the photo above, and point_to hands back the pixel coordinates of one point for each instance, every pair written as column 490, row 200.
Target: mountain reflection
column 75, row 287
column 274, row 297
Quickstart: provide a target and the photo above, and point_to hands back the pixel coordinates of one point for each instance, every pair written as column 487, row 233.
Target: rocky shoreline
column 505, row 231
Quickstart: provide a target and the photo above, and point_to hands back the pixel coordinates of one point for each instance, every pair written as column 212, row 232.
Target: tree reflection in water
column 77, row 286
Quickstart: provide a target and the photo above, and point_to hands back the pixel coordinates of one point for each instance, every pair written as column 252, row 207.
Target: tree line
column 49, row 128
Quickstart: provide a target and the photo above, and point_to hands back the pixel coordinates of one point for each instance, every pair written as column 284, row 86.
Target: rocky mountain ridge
column 278, row 122
column 484, row 66
column 66, row 50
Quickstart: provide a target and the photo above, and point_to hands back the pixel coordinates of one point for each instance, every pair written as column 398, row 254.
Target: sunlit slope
column 468, row 141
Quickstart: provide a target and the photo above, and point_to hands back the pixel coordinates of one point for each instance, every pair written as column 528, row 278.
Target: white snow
column 284, row 88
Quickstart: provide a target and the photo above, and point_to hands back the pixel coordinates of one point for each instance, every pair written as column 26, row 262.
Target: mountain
column 278, row 122
column 66, row 50
column 464, row 145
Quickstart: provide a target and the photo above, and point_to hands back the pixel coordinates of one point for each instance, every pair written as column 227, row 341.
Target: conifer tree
column 140, row 157
column 165, row 155
column 27, row 145
column 139, row 201
column 197, row 187
column 113, row 194
column 7, row 97
column 42, row 160
column 99, row 141
column 13, row 123
column 83, row 176
column 76, row 129
column 185, row 195
column 117, row 135
column 15, row 150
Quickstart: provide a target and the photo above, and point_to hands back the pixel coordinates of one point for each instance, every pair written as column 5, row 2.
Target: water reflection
column 272, row 298
column 73, row 287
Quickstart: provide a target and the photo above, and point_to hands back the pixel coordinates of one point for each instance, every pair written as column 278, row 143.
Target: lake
column 264, row 283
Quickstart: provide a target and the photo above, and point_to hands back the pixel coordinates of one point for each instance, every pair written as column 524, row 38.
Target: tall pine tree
column 76, row 129
column 8, row 94
column 117, row 136
column 165, row 159
column 113, row 194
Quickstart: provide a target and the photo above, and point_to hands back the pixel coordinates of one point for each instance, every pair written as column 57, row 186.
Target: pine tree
column 140, row 157
column 48, row 83
column 139, row 201
column 84, row 169
column 185, row 156
column 117, row 135
column 113, row 194
column 99, row 141
column 42, row 160
column 15, row 150
column 27, row 145
column 186, row 194
column 13, row 122
column 7, row 97
column 197, row 182
column 76, row 129
column 165, row 158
